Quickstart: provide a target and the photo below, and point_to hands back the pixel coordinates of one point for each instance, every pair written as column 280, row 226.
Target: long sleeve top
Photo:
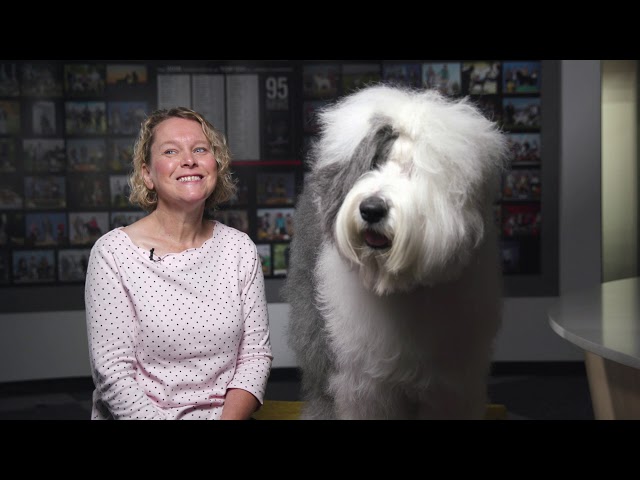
column 168, row 336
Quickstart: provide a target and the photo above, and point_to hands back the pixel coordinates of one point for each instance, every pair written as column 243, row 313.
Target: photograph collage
column 67, row 131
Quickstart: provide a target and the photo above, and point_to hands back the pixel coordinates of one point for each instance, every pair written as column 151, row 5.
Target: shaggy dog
column 394, row 280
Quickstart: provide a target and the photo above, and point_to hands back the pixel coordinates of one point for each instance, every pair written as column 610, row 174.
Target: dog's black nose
column 373, row 209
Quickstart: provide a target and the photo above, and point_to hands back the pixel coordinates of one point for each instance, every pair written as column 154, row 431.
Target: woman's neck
column 184, row 229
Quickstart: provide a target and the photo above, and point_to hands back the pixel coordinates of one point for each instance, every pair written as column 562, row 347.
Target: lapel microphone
column 151, row 254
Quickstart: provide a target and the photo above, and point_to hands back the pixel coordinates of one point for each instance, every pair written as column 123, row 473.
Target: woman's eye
column 201, row 150
column 170, row 151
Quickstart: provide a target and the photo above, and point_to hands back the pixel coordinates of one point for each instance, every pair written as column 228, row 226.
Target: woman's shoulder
column 110, row 238
column 233, row 235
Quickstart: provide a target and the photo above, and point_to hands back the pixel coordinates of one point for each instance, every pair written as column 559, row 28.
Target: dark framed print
column 84, row 79
column 45, row 192
column 85, row 118
column 8, row 155
column 9, row 80
column 274, row 224
column 86, row 227
column 280, row 258
column 275, row 188
column 480, row 78
column 86, row 154
column 34, row 266
column 402, row 74
column 88, row 190
column 120, row 154
column 44, row 155
column 521, row 113
column 444, row 77
column 41, row 79
column 521, row 77
column 72, row 264
column 46, row 229
column 11, row 194
column 12, row 230
column 264, row 251
column 9, row 117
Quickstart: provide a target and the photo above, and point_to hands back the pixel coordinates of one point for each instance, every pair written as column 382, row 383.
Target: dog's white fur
column 403, row 330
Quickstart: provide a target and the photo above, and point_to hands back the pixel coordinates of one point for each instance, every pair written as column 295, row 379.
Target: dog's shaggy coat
column 394, row 279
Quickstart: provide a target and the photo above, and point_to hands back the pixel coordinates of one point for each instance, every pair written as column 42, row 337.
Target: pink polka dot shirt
column 169, row 336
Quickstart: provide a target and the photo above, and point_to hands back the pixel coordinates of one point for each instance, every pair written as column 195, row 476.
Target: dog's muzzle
column 372, row 211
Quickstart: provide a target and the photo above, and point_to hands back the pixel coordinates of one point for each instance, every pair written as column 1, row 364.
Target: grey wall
column 53, row 344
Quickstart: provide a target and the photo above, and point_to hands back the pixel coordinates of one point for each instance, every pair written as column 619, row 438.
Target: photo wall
column 67, row 131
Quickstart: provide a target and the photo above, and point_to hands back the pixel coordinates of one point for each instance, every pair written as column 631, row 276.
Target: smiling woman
column 176, row 310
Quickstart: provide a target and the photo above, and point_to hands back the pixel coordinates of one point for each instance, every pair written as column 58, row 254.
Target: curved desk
column 605, row 322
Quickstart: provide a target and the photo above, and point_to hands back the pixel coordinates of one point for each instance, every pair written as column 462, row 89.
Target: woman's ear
column 146, row 176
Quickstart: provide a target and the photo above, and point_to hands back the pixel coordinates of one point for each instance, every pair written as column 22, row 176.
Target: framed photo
column 524, row 148
column 11, row 197
column 320, row 81
column 42, row 79
column 44, row 192
column 72, row 264
column 44, row 155
column 85, row 118
column 480, row 78
column 356, row 76
column 8, row 155
column 444, row 77
column 124, row 218
column 277, row 135
column 86, row 227
column 521, row 77
column 88, row 190
column 46, row 229
column 5, row 267
column 44, row 118
column 86, row 154
column 522, row 185
column 521, row 113
column 126, row 76
column 402, row 74
column 120, row 154
column 274, row 224
column 84, row 79
column 34, row 266
column 521, row 220
column 238, row 219
column 264, row 250
column 9, row 82
column 125, row 117
column 275, row 188
column 120, row 190
column 9, row 117
column 280, row 258
column 12, row 230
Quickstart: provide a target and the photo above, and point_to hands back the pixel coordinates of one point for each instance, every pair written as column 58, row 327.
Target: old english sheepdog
column 394, row 281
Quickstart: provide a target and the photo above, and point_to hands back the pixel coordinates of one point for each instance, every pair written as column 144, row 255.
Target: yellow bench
column 286, row 410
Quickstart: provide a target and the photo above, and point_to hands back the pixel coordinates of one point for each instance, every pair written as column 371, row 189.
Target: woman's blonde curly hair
column 147, row 199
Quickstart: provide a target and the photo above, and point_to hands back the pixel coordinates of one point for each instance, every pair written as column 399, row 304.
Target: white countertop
column 604, row 320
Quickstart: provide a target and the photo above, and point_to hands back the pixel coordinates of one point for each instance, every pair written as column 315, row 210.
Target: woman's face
column 183, row 170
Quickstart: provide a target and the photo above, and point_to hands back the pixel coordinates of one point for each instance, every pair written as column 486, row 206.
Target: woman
column 176, row 310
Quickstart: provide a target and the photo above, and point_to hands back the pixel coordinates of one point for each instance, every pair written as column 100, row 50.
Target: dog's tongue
column 375, row 240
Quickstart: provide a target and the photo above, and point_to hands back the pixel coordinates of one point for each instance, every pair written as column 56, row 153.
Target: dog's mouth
column 375, row 240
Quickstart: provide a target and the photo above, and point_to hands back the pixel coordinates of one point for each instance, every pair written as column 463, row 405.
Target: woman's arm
column 239, row 405
column 253, row 364
column 110, row 328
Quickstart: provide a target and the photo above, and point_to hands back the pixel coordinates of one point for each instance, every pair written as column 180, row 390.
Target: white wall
column 619, row 169
column 54, row 345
